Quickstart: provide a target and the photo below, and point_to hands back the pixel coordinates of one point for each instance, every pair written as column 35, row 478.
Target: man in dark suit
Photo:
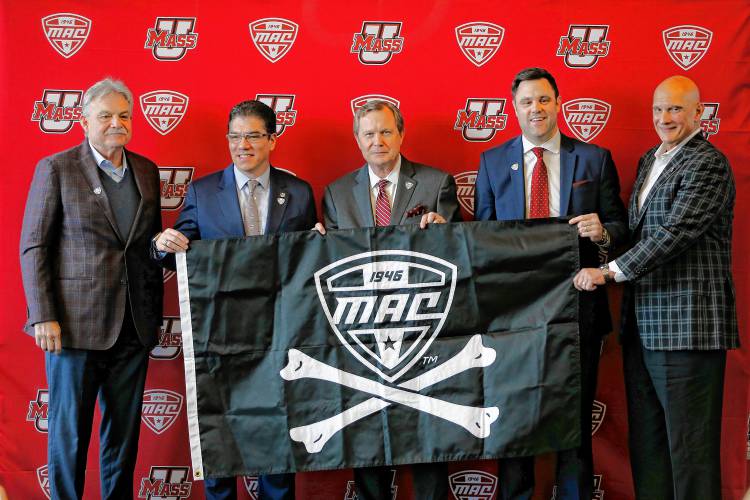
column 390, row 190
column 249, row 197
column 543, row 173
column 94, row 298
column 678, row 308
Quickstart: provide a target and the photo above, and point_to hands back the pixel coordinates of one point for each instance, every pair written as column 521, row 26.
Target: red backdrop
column 442, row 62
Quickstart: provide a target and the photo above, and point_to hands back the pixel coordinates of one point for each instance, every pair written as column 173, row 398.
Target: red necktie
column 382, row 205
column 539, row 206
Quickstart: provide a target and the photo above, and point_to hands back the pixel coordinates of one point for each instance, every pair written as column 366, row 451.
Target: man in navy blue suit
column 247, row 198
column 543, row 173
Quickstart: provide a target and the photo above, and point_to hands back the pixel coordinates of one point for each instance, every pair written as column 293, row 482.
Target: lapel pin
column 514, row 166
column 409, row 184
column 97, row 190
column 281, row 200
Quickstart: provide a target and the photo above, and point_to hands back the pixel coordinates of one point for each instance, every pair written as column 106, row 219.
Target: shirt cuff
column 619, row 275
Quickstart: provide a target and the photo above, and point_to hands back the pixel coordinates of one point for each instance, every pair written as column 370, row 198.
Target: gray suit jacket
column 346, row 202
column 679, row 265
column 77, row 268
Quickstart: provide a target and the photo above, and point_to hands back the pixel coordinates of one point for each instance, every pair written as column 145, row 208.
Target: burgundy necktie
column 382, row 205
column 539, row 205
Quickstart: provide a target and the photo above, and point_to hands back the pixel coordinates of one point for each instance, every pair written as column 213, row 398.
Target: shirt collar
column 100, row 158
column 552, row 145
column 392, row 176
column 662, row 151
column 241, row 178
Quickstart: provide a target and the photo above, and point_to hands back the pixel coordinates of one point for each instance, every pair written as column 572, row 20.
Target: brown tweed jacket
column 77, row 269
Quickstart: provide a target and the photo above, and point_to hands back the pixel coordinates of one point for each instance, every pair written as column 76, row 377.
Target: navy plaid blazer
column 679, row 263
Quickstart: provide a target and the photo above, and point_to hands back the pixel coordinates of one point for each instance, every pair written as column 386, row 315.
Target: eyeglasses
column 252, row 138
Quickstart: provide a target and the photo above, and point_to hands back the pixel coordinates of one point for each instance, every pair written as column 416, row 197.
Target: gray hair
column 377, row 105
column 106, row 87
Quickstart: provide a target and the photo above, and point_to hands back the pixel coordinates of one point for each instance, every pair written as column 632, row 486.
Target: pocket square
column 581, row 183
column 417, row 210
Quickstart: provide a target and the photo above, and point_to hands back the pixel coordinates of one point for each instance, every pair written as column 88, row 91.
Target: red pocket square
column 417, row 210
column 581, row 183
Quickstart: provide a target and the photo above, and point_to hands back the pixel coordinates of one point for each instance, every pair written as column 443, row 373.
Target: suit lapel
column 672, row 167
column 518, row 187
column 633, row 212
column 407, row 184
column 140, row 183
column 362, row 196
column 567, row 171
column 278, row 199
column 226, row 198
column 90, row 171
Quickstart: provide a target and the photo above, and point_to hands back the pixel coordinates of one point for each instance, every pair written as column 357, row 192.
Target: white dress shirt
column 392, row 177
column 261, row 192
column 114, row 173
column 551, row 158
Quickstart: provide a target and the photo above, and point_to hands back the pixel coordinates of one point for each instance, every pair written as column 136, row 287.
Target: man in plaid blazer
column 678, row 308
column 94, row 297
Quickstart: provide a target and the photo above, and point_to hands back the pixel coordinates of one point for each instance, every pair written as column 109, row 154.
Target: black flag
column 380, row 346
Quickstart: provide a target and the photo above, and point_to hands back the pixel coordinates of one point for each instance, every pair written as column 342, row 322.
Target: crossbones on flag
column 380, row 346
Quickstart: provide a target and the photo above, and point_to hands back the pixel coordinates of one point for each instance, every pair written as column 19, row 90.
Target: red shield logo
column 283, row 105
column 472, row 485
column 166, row 483
column 480, row 120
column 584, row 44
column 251, row 485
column 66, row 32
column 160, row 409
column 42, row 477
column 465, row 189
column 171, row 38
column 164, row 109
column 170, row 339
column 586, row 117
column 58, row 110
column 377, row 42
column 273, row 37
column 598, row 411
column 710, row 119
column 687, row 44
column 479, row 41
column 39, row 411
column 360, row 101
column 173, row 184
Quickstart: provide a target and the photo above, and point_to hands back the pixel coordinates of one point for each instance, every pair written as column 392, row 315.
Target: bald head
column 677, row 109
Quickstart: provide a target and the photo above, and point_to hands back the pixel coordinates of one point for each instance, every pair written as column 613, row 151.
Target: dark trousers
column 674, row 421
column 575, row 468
column 430, row 482
column 76, row 377
column 270, row 487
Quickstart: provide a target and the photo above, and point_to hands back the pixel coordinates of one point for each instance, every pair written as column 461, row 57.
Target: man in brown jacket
column 94, row 297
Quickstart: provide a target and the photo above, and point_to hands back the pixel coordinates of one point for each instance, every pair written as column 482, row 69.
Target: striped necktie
column 382, row 205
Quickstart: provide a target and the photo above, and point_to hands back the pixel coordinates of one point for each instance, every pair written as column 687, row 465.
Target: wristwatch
column 608, row 277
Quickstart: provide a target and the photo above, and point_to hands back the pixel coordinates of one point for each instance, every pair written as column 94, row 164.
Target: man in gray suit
column 678, row 312
column 94, row 297
column 390, row 190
